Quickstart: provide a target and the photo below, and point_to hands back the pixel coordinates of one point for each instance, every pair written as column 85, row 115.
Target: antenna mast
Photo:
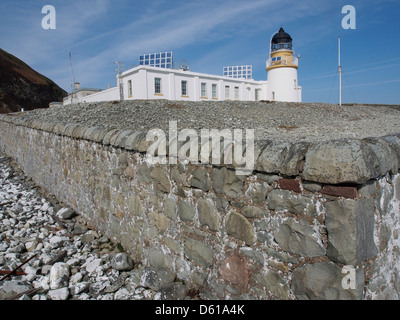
column 119, row 67
column 72, row 76
column 340, row 78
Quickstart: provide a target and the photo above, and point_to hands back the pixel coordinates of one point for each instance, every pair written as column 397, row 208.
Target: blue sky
column 210, row 35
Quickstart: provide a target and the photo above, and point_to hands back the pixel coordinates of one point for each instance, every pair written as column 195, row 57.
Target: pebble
column 58, row 294
column 93, row 267
column 65, row 213
column 122, row 262
column 59, row 275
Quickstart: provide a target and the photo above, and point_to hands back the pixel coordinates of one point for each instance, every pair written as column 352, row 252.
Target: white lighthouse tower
column 282, row 69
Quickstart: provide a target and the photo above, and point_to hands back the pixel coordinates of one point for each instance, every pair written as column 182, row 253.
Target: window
column 214, row 91
column 237, row 93
column 184, row 88
column 226, row 92
column 257, row 94
column 203, row 89
column 129, row 88
column 157, row 85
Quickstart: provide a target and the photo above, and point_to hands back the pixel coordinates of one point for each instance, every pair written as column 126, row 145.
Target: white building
column 79, row 94
column 147, row 82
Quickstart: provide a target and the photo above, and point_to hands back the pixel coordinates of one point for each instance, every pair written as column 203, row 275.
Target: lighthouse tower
column 282, row 69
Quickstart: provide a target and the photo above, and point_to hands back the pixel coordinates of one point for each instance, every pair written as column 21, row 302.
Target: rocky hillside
column 23, row 87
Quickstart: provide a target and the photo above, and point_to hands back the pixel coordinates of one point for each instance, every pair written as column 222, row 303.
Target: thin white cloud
column 191, row 24
column 183, row 26
column 26, row 35
column 175, row 28
column 364, row 68
column 159, row 25
column 355, row 85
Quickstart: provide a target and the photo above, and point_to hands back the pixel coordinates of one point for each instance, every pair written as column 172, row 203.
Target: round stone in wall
column 122, row 262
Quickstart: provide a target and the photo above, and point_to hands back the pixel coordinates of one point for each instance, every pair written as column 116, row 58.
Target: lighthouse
column 282, row 68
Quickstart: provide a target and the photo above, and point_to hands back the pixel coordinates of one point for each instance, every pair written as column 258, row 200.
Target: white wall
column 111, row 94
column 165, row 85
column 139, row 88
column 142, row 79
column 281, row 81
column 90, row 96
column 77, row 97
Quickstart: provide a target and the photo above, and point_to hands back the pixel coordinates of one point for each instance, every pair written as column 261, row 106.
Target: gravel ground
column 66, row 260
column 278, row 120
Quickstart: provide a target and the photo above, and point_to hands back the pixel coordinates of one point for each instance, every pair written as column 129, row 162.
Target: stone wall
column 312, row 221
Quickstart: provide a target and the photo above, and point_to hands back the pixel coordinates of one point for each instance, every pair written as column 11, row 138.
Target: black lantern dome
column 281, row 40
